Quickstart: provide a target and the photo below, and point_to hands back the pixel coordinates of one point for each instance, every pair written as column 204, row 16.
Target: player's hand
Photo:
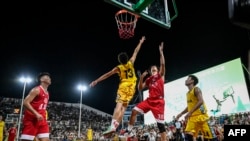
column 187, row 115
column 39, row 117
column 93, row 83
column 178, row 116
column 161, row 47
column 144, row 73
column 142, row 39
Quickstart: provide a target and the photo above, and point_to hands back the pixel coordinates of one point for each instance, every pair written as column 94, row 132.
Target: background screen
column 224, row 83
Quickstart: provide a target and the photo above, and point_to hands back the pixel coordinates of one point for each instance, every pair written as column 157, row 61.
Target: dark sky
column 77, row 42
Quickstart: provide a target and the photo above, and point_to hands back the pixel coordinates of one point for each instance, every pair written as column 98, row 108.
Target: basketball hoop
column 126, row 23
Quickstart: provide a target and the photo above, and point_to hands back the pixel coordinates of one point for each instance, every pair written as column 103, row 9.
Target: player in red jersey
column 155, row 102
column 12, row 132
column 35, row 103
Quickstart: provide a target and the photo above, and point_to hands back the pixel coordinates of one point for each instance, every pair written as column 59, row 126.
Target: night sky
column 77, row 42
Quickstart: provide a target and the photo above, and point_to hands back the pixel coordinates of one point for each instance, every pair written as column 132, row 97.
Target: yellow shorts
column 200, row 123
column 125, row 92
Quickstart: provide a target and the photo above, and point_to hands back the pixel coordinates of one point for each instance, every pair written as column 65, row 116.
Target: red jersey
column 12, row 134
column 39, row 103
column 155, row 85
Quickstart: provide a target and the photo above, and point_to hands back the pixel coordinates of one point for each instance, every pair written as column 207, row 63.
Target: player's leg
column 125, row 92
column 115, row 120
column 126, row 96
column 29, row 130
column 121, row 105
column 36, row 139
column 123, row 109
column 207, row 130
column 157, row 108
column 190, row 129
column 118, row 111
column 43, row 131
column 142, row 107
column 116, row 115
column 209, row 133
column 132, row 119
column 44, row 139
column 162, row 130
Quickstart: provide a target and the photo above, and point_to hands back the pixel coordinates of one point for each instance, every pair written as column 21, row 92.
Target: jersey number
column 43, row 106
column 129, row 73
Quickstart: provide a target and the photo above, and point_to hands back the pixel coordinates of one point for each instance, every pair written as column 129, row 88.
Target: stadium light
column 81, row 88
column 24, row 80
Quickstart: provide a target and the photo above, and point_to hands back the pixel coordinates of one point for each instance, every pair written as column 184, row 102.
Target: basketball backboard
column 155, row 11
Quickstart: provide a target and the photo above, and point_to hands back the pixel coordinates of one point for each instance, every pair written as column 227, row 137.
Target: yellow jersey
column 191, row 102
column 2, row 129
column 127, row 72
column 89, row 134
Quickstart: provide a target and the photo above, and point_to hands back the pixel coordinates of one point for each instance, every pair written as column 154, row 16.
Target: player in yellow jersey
column 196, row 112
column 116, row 137
column 3, row 129
column 127, row 85
column 89, row 134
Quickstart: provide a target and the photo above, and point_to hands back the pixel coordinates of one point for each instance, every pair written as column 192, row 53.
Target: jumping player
column 155, row 102
column 127, row 85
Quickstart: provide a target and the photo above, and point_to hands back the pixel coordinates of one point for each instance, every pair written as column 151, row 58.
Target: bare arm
column 142, row 84
column 104, row 76
column 198, row 94
column 182, row 113
column 162, row 60
column 137, row 49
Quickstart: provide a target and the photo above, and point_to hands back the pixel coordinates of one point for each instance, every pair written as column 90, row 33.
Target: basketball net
column 126, row 23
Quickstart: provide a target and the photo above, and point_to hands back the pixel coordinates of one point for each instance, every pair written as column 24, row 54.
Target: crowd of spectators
column 64, row 122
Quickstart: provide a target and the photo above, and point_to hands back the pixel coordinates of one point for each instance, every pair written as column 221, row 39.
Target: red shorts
column 156, row 106
column 32, row 128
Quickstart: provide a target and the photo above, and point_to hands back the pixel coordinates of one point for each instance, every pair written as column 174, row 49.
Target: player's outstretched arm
column 104, row 76
column 137, row 49
column 162, row 60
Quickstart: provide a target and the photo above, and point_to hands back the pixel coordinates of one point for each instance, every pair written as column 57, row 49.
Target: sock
column 130, row 127
column 114, row 124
